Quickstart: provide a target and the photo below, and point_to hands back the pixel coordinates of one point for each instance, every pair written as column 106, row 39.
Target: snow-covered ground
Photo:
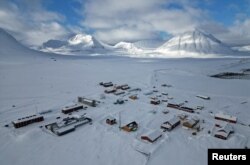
column 32, row 82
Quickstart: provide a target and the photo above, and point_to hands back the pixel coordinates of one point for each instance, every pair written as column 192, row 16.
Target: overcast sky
column 36, row 21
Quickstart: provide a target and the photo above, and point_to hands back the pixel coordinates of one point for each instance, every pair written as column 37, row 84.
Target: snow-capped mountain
column 128, row 47
column 149, row 43
column 12, row 50
column 194, row 43
column 245, row 48
column 78, row 44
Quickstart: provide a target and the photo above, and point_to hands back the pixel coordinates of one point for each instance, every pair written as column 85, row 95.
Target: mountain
column 195, row 43
column 78, row 44
column 12, row 51
column 149, row 43
column 128, row 47
column 245, row 48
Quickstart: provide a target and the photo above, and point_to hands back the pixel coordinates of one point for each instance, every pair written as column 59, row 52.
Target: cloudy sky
column 36, row 21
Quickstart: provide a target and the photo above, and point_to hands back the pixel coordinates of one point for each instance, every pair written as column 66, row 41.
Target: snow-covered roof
column 27, row 118
column 71, row 106
column 225, row 116
column 173, row 121
column 225, row 131
column 152, row 135
column 64, row 129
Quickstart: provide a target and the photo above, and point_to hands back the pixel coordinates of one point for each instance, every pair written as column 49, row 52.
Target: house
column 125, row 87
column 171, row 124
column 224, row 132
column 225, row 117
column 119, row 92
column 89, row 102
column 111, row 90
column 107, row 84
column 21, row 122
column 190, row 123
column 72, row 108
column 186, row 109
column 134, row 89
column 111, row 120
column 151, row 136
column 203, row 97
column 183, row 116
column 133, row 126
column 171, row 105
column 155, row 102
column 133, row 97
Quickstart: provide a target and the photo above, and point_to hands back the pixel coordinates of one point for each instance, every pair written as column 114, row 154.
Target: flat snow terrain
column 34, row 82
column 32, row 86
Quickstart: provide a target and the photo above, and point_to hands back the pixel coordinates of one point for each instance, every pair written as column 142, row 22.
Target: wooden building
column 151, row 136
column 224, row 132
column 118, row 92
column 186, row 109
column 125, row 87
column 171, row 105
column 190, row 123
column 155, row 102
column 225, row 117
column 72, row 108
column 111, row 90
column 203, row 97
column 107, row 84
column 89, row 102
column 133, row 126
column 21, row 122
column 171, row 124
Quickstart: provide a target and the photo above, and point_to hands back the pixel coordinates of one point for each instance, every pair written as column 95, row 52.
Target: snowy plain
column 32, row 82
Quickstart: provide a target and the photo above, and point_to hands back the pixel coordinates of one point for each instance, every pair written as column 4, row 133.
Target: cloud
column 30, row 22
column 114, row 20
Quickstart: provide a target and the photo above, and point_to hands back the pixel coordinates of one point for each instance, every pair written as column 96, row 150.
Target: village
column 169, row 114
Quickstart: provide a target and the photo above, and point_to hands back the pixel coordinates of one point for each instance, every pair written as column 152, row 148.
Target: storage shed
column 171, row 124
column 223, row 133
column 151, row 136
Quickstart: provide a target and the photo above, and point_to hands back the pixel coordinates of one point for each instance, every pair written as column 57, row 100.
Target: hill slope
column 195, row 43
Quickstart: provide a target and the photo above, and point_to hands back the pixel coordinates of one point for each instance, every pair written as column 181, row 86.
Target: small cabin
column 107, row 84
column 171, row 124
column 151, row 136
column 125, row 87
column 134, row 89
column 111, row 90
column 190, row 123
column 224, row 132
column 225, row 117
column 203, row 97
column 111, row 120
column 186, row 109
column 86, row 101
column 133, row 126
column 155, row 102
column 21, row 122
column 171, row 105
column 119, row 92
column 72, row 108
